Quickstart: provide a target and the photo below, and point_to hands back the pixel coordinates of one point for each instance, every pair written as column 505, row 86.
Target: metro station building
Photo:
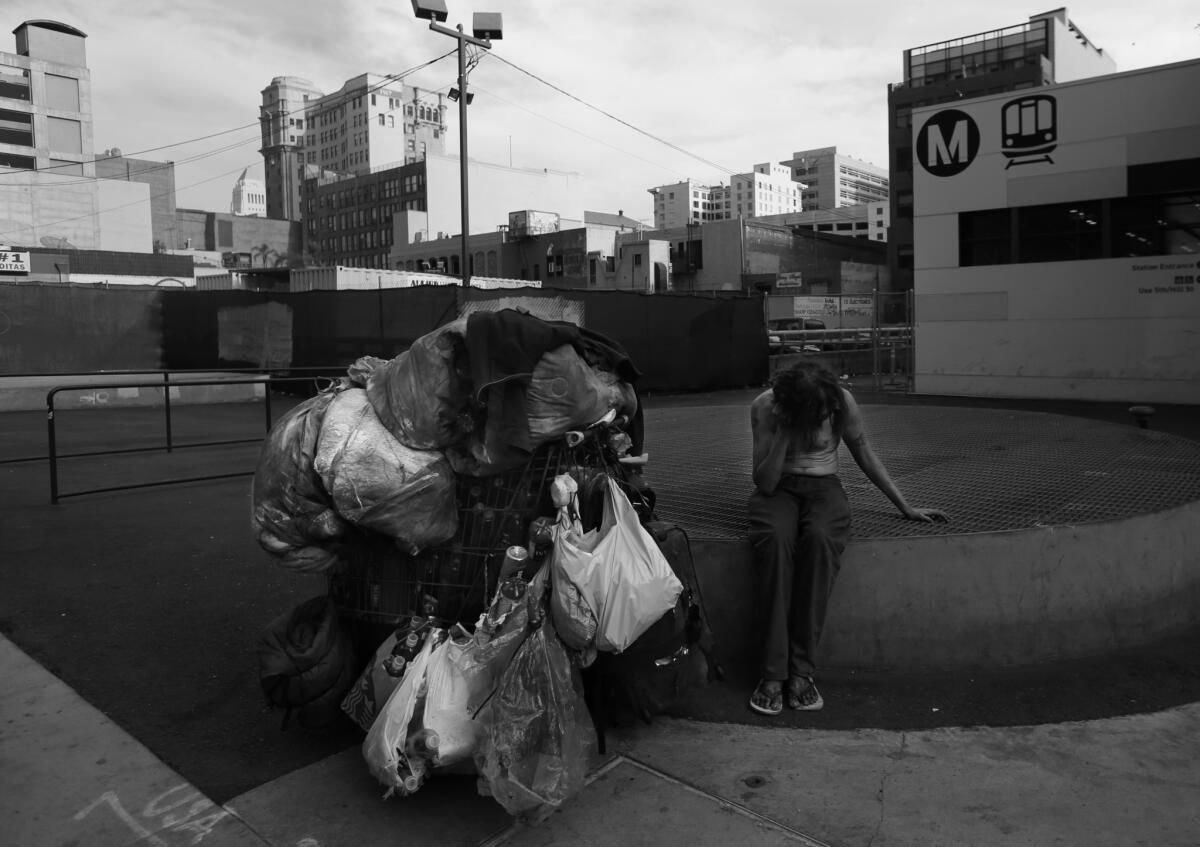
column 1057, row 240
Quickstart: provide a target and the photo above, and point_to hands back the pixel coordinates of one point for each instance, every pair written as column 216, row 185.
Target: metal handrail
column 881, row 341
column 52, row 438
column 311, row 371
column 168, row 371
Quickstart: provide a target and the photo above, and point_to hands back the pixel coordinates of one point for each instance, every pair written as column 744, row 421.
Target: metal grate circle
column 989, row 469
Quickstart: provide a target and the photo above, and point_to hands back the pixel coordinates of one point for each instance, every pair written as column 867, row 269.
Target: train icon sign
column 1029, row 126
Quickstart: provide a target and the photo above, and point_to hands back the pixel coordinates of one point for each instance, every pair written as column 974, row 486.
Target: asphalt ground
column 149, row 601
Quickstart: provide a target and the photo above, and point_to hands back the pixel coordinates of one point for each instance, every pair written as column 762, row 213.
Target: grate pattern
column 989, row 469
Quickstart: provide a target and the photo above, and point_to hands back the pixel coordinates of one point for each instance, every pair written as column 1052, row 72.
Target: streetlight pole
column 462, row 150
column 485, row 27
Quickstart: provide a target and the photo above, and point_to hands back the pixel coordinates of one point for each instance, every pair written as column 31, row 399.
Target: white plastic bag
column 629, row 583
column 572, row 561
column 641, row 586
column 383, row 748
column 449, row 692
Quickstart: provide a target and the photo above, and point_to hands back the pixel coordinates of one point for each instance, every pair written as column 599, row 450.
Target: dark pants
column 798, row 533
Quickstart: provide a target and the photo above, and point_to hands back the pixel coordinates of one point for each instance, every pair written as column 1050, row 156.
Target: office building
column 832, row 180
column 1048, row 48
column 238, row 241
column 866, row 220
column 159, row 177
column 249, row 197
column 355, row 220
column 372, row 122
column 768, row 189
column 46, row 101
column 541, row 248
column 1057, row 240
column 49, row 195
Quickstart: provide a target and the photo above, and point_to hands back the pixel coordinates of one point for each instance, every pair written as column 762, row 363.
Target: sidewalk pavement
column 73, row 777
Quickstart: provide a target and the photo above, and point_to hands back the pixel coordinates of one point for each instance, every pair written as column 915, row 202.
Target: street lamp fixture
column 485, row 28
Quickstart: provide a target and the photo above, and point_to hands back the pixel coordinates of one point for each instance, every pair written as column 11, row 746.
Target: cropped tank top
column 818, row 459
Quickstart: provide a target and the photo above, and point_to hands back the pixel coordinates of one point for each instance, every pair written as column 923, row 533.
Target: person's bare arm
column 855, row 437
column 770, row 444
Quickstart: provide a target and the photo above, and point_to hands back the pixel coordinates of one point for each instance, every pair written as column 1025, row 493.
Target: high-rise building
column 50, row 195
column 249, row 197
column 371, row 122
column 832, row 179
column 768, row 189
column 46, row 101
column 1048, row 48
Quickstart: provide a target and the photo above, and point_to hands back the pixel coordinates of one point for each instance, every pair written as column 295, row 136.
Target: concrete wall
column 495, row 190
column 1074, row 56
column 37, row 206
column 160, row 177
column 268, row 242
column 983, row 600
column 124, row 216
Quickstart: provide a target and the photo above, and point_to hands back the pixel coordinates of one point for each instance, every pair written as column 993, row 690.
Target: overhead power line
column 492, row 94
column 611, row 116
column 158, row 166
column 387, row 79
column 137, row 202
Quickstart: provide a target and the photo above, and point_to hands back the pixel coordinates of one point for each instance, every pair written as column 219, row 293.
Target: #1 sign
column 17, row 263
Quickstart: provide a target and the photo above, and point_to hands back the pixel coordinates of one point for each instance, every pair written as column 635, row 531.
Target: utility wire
column 388, row 79
column 611, row 116
column 572, row 129
column 133, row 202
column 158, row 166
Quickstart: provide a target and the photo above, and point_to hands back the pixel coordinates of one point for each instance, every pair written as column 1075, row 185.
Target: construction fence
column 680, row 342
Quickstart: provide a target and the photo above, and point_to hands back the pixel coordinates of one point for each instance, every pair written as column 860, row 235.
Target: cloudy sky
column 650, row 92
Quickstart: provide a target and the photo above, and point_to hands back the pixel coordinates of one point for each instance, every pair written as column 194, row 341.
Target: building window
column 14, row 83
column 1059, row 232
column 985, row 238
column 16, row 128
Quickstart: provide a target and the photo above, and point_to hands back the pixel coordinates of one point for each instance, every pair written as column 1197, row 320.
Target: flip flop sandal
column 806, row 699
column 774, row 703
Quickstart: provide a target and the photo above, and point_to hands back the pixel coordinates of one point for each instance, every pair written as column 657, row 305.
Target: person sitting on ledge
column 800, row 520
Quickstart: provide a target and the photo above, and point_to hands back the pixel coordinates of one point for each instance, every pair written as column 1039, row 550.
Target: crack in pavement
column 883, row 778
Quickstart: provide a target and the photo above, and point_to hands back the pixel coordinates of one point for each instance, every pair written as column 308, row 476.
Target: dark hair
column 805, row 394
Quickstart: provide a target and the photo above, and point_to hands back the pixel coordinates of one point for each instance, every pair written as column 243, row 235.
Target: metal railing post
column 267, row 403
column 875, row 365
column 52, row 447
column 912, row 340
column 167, row 405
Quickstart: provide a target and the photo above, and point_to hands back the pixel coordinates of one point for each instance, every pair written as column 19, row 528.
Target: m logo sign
column 947, row 143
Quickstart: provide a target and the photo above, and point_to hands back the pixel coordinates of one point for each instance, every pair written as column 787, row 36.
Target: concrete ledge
column 125, row 390
column 982, row 600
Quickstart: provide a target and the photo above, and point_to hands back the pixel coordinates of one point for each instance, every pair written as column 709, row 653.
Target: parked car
column 778, row 344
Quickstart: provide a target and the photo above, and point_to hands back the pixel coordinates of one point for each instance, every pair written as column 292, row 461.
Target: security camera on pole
column 485, row 28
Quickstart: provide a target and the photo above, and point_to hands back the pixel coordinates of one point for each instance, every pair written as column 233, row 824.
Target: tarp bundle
column 293, row 516
column 382, row 447
column 377, row 483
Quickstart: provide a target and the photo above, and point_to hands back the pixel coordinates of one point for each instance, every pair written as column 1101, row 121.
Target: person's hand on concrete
column 926, row 515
